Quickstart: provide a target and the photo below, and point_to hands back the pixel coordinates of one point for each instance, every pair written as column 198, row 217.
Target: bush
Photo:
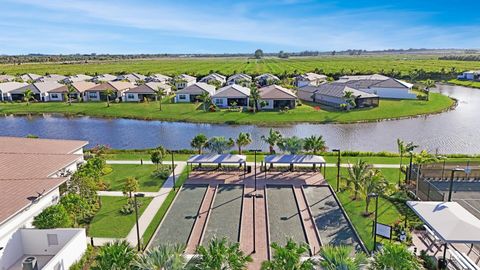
column 162, row 172
column 52, row 217
column 129, row 207
column 429, row 262
column 85, row 261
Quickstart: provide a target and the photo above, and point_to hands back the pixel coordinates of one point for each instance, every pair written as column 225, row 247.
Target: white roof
column 215, row 158
column 9, row 86
column 232, row 91
column 448, row 220
column 294, row 159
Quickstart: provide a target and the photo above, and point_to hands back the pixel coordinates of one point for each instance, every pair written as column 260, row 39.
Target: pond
column 456, row 131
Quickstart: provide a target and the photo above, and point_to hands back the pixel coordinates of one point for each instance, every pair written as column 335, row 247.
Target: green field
column 202, row 66
column 193, row 112
column 465, row 83
column 143, row 173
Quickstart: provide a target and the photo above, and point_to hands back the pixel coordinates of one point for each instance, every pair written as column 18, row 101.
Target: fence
column 428, row 192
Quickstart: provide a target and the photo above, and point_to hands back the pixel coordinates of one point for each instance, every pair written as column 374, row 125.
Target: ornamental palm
column 160, row 93
column 289, row 257
column 315, row 144
column 220, row 145
column 356, row 175
column 28, row 95
column 422, row 158
column 108, row 93
column 243, row 139
column 199, row 142
column 114, row 256
column 273, row 138
column 429, row 84
column 339, row 257
column 374, row 182
column 163, row 257
column 206, row 99
column 292, row 145
column 70, row 91
column 349, row 98
column 220, row 255
column 402, row 150
column 395, row 256
column 255, row 96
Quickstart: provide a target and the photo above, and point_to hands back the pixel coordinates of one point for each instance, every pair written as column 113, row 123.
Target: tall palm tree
column 273, row 138
column 70, row 91
column 220, row 145
column 255, row 96
column 159, row 94
column 404, row 148
column 340, row 257
column 292, row 145
column 374, row 182
column 220, row 255
column 243, row 139
column 356, row 175
column 108, row 93
column 315, row 144
column 420, row 159
column 395, row 256
column 428, row 84
column 163, row 257
column 199, row 142
column 115, row 256
column 289, row 257
column 349, row 99
column 28, row 95
column 206, row 99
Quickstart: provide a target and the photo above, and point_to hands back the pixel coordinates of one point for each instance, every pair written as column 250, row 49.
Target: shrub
column 428, row 261
column 129, row 207
column 52, row 217
column 162, row 173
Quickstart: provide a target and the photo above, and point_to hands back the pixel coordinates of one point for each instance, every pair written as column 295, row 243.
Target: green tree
column 315, row 144
column 340, row 258
column 288, row 257
column 156, row 157
column 131, row 185
column 206, row 99
column 374, row 182
column 28, row 95
column 199, row 142
column 349, row 99
column 221, row 255
column 166, row 257
column 258, row 54
column 356, row 175
column 255, row 96
column 273, row 138
column 428, row 84
column 114, row 256
column 243, row 139
column 403, row 148
column 394, row 256
column 52, row 217
column 420, row 159
column 76, row 206
column 70, row 91
column 108, row 92
column 159, row 94
column 292, row 145
column 220, row 145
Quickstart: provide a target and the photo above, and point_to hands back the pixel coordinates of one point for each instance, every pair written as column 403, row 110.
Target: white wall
column 51, row 97
column 394, row 93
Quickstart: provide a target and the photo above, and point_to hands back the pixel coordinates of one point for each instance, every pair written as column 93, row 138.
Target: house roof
column 240, row 76
column 52, row 78
column 160, row 77
column 6, row 78
column 9, row 86
column 80, row 86
column 105, row 77
column 197, row 89
column 149, row 88
column 214, row 76
column 232, row 91
column 374, row 80
column 132, row 77
column 276, row 92
column 267, row 76
column 309, row 76
column 39, row 146
column 38, row 87
column 186, row 77
column 116, row 86
column 30, row 77
column 79, row 78
column 334, row 90
column 377, row 77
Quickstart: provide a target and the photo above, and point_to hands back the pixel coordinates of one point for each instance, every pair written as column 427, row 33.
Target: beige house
column 192, row 92
column 80, row 87
column 231, row 94
column 310, row 78
column 98, row 92
column 183, row 80
column 145, row 91
column 276, row 97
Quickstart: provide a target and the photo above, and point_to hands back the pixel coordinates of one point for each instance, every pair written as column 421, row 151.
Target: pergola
column 218, row 159
column 295, row 159
column 449, row 221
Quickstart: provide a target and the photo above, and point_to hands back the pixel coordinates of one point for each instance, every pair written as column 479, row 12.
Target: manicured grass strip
column 284, row 220
column 225, row 216
column 465, row 83
column 143, row 173
column 109, row 222
column 179, row 221
column 329, row 219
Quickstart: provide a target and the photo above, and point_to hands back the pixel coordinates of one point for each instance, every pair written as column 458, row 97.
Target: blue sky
column 147, row 26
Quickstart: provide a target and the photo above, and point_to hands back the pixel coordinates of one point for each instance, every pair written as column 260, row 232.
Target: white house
column 31, row 171
column 7, row 87
column 183, row 80
column 104, row 78
column 383, row 86
column 145, row 91
column 77, row 78
column 191, row 92
column 98, row 92
column 131, row 77
column 214, row 77
column 158, row 78
column 471, row 75
column 230, row 95
column 239, row 78
column 6, row 78
column 40, row 90
column 79, row 87
column 30, row 77
column 310, row 79
column 266, row 79
column 51, row 78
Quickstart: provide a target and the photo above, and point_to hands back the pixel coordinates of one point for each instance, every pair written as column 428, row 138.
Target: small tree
column 220, row 145
column 206, row 99
column 131, row 185
column 159, row 94
column 161, row 257
column 273, row 138
column 258, row 54
column 255, row 96
column 395, row 256
column 428, row 84
column 115, row 256
column 70, row 91
column 374, row 182
column 292, row 145
column 289, row 257
column 315, row 144
column 356, row 175
column 243, row 139
column 76, row 206
column 156, row 157
column 199, row 142
column 220, row 254
column 52, row 217
column 108, row 92
column 340, row 257
column 28, row 95
column 349, row 99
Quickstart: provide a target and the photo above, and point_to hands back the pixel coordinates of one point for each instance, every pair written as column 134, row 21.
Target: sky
column 221, row 26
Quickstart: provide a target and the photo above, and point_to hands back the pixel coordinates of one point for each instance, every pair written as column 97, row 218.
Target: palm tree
column 28, row 95
column 255, row 96
column 161, row 257
column 70, row 91
column 115, row 256
column 220, row 255
column 289, row 257
column 340, row 257
column 422, row 158
column 159, row 94
column 206, row 99
column 429, row 84
column 402, row 150
column 356, row 175
column 243, row 139
column 395, row 256
column 199, row 142
column 315, row 144
column 374, row 182
column 273, row 138
column 220, row 145
column 292, row 145
column 349, row 99
column 108, row 93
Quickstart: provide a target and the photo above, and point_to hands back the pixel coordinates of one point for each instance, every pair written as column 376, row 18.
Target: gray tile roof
column 197, row 89
column 232, row 91
column 334, row 90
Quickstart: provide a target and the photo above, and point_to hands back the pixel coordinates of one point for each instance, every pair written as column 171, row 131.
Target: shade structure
column 295, row 159
column 218, row 159
column 449, row 220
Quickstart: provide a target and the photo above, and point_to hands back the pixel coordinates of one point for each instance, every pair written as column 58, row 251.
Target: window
column 54, row 95
column 52, row 240
column 182, row 97
column 92, row 94
column 131, row 96
column 219, row 101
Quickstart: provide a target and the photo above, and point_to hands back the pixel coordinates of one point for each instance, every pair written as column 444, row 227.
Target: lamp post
column 338, row 167
column 450, row 189
column 173, row 171
column 410, row 168
column 375, row 195
column 136, row 218
column 254, row 194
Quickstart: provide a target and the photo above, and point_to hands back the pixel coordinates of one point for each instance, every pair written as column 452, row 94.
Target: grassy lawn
column 465, row 83
column 193, row 113
column 109, row 222
column 116, row 179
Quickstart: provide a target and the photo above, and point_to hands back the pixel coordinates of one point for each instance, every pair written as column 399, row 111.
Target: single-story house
column 277, row 97
column 310, row 78
column 333, row 95
column 6, row 78
column 471, row 75
column 40, row 90
column 266, row 79
column 52, row 78
column 97, row 92
column 383, row 86
column 131, row 77
column 214, row 77
column 191, row 92
column 145, row 91
column 183, row 80
column 80, row 87
column 77, row 78
column 158, row 78
column 231, row 94
column 104, row 78
column 30, row 77
column 7, row 87
column 240, row 79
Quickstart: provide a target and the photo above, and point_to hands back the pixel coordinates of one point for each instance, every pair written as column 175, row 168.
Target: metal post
column 173, row 171
column 451, row 186
column 443, row 168
column 375, row 222
column 410, row 168
column 338, row 170
column 139, row 247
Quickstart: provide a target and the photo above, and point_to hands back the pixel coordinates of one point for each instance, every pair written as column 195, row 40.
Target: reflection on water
column 451, row 132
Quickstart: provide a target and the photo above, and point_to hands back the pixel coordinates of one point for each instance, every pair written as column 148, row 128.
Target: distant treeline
column 461, row 57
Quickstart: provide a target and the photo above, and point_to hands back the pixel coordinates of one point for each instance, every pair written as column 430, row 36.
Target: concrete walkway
column 151, row 210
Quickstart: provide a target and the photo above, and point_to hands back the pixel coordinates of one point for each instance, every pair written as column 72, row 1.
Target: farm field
column 465, row 83
column 202, row 66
